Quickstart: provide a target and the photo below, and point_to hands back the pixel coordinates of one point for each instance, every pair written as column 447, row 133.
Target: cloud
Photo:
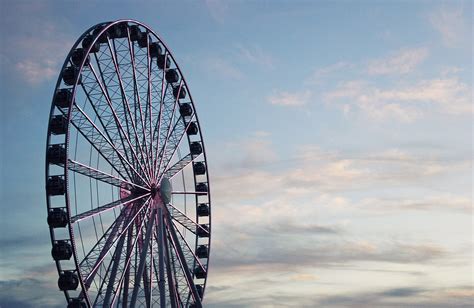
column 256, row 55
column 248, row 152
column 409, row 296
column 224, row 68
column 36, row 56
column 319, row 74
column 290, row 99
column 301, row 217
column 401, row 292
column 276, row 252
column 219, row 10
column 450, row 23
column 294, row 227
column 36, row 72
column 287, row 205
column 31, row 292
column 313, row 172
column 443, row 202
column 401, row 62
column 404, row 103
column 278, row 292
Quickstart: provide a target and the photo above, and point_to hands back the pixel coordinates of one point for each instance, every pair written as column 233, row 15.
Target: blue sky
column 339, row 137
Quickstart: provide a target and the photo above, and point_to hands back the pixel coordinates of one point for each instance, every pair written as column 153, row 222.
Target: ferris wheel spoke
column 164, row 245
column 121, row 131
column 166, row 134
column 144, row 277
column 173, row 292
column 103, row 108
column 179, row 282
column 148, row 109
column 113, row 274
column 191, row 258
column 161, row 257
column 157, row 133
column 91, row 263
column 126, row 106
column 180, row 165
column 112, row 270
column 107, row 207
column 106, row 83
column 137, row 98
column 184, row 265
column 190, row 255
column 88, row 267
column 143, row 255
column 121, row 264
column 100, row 175
column 94, row 136
column 157, row 130
column 185, row 221
column 176, row 136
column 181, row 286
column 98, row 114
column 124, row 281
column 97, row 138
column 167, row 269
column 151, row 276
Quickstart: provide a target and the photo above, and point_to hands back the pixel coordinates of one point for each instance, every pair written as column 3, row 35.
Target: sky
column 338, row 135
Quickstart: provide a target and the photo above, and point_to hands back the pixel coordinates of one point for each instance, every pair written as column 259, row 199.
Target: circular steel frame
column 135, row 176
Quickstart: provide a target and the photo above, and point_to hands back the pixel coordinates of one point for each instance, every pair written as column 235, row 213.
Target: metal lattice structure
column 127, row 186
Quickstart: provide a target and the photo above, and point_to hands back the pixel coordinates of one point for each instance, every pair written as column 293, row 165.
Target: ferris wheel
column 127, row 183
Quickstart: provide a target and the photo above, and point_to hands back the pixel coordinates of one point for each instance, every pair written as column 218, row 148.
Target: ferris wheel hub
column 165, row 190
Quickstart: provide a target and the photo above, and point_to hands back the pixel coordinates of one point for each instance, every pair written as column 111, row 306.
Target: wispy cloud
column 30, row 292
column 224, row 68
column 401, row 62
column 36, row 71
column 248, row 152
column 37, row 57
column 405, row 103
column 450, row 23
column 256, row 55
column 291, row 99
column 443, row 202
column 264, row 254
column 219, row 10
column 320, row 73
column 283, row 227
column 314, row 171
column 406, row 296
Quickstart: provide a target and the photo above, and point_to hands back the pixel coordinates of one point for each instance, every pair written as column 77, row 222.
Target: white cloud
column 256, row 55
column 291, row 99
column 35, row 71
column 34, row 57
column 318, row 175
column 401, row 62
column 448, row 71
column 250, row 152
column 443, row 202
column 405, row 103
column 224, row 68
column 451, row 25
column 219, row 10
column 320, row 73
